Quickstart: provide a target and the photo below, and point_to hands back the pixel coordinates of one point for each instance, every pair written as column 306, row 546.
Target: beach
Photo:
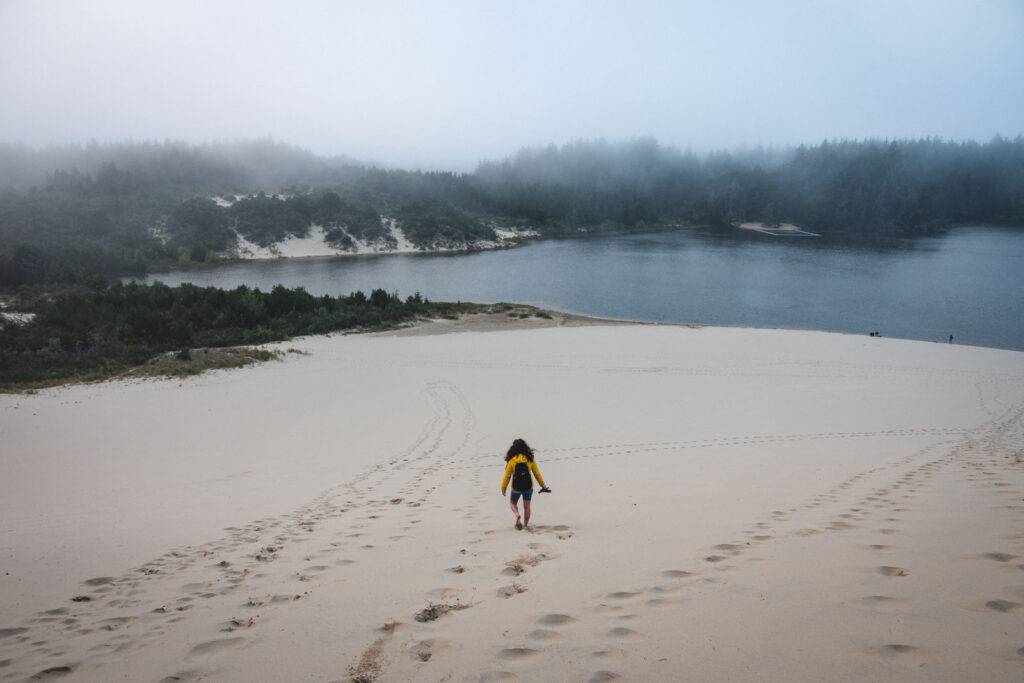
column 727, row 505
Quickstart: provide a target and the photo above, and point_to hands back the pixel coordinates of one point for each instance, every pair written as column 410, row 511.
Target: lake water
column 968, row 283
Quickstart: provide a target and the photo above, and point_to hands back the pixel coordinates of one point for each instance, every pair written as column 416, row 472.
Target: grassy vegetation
column 189, row 362
column 156, row 330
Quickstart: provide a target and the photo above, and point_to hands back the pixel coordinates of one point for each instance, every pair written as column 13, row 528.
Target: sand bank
column 728, row 504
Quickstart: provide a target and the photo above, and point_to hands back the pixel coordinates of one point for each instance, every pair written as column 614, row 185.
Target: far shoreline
column 496, row 317
column 486, row 322
column 519, row 241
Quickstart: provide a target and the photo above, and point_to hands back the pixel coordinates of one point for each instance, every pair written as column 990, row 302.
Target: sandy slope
column 728, row 505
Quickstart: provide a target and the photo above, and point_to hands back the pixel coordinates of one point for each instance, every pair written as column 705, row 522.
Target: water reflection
column 966, row 283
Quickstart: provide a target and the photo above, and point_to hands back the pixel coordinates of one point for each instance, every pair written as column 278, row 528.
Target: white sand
column 728, row 505
column 315, row 244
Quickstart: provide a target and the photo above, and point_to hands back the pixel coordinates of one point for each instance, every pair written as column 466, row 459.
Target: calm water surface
column 968, row 283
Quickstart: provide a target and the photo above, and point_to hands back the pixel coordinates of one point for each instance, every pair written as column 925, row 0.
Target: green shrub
column 98, row 333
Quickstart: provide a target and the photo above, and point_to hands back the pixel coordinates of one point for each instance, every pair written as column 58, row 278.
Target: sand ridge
column 885, row 541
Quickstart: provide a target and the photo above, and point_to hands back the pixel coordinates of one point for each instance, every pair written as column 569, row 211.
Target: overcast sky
column 445, row 83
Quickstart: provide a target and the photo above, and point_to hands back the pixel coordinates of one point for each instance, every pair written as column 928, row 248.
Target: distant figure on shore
column 950, row 339
column 519, row 463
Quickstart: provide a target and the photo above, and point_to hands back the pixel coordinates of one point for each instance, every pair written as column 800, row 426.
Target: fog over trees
column 82, row 214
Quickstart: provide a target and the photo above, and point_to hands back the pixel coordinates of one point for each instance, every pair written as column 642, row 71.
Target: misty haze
column 301, row 305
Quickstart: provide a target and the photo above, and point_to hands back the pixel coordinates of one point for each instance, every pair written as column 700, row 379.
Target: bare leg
column 526, row 512
column 515, row 509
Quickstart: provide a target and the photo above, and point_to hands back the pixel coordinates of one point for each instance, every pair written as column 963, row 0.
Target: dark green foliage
column 438, row 225
column 265, row 220
column 344, row 220
column 870, row 186
column 199, row 225
column 84, row 333
column 72, row 214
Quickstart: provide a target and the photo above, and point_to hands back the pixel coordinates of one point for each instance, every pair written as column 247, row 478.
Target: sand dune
column 727, row 505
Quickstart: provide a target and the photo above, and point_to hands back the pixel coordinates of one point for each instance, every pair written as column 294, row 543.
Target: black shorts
column 527, row 495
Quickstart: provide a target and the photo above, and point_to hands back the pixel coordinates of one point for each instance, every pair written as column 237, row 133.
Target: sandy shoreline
column 729, row 504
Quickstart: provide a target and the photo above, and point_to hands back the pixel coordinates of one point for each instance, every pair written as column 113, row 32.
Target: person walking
column 519, row 463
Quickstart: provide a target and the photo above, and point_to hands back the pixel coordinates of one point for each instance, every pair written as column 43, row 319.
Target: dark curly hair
column 519, row 447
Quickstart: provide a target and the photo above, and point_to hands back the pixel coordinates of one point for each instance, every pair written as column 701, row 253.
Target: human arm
column 508, row 476
column 536, row 473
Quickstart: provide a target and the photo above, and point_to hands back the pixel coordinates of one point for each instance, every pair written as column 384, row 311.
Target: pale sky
column 445, row 83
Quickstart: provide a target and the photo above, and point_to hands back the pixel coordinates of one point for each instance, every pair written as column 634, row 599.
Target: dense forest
column 85, row 215
column 85, row 334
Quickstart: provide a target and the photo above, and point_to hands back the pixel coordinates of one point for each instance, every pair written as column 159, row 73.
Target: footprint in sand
column 509, row 591
column 998, row 557
column 518, row 566
column 214, row 647
column 623, row 633
column 115, row 623
column 278, row 599
column 426, row 649
column 905, row 655
column 517, row 653
column 807, row 532
column 99, row 581
column 498, row 676
column 309, row 573
column 883, row 602
column 59, row 611
column 195, row 587
column 893, row 571
column 544, row 635
column 608, row 654
column 52, row 672
column 676, row 574
column 602, row 676
column 236, row 623
column 1003, row 606
column 180, row 676
column 556, row 620
column 731, row 548
column 622, row 595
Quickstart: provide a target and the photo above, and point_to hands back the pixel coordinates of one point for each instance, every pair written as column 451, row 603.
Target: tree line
column 80, row 215
column 95, row 333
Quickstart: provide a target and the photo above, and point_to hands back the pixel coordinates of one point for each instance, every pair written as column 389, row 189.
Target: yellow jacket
column 511, row 466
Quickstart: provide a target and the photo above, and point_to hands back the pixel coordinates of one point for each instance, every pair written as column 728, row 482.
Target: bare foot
column 519, row 525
